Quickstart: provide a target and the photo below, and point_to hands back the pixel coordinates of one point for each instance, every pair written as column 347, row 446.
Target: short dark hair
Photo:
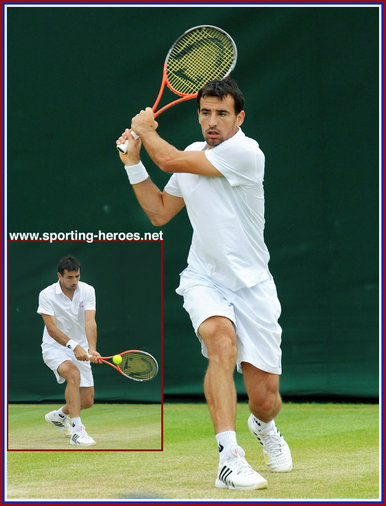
column 220, row 89
column 68, row 262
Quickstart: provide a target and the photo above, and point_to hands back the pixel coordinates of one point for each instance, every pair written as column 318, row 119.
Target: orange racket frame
column 165, row 81
column 104, row 360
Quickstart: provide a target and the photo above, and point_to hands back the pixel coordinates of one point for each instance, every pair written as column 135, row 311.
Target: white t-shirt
column 227, row 213
column 69, row 314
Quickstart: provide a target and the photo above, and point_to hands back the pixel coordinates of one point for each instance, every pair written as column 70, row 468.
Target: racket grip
column 123, row 147
column 89, row 356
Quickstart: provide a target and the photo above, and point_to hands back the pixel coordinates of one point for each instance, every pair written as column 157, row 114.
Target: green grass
column 334, row 446
column 113, row 426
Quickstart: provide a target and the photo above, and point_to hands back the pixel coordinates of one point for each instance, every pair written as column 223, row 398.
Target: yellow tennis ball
column 117, row 359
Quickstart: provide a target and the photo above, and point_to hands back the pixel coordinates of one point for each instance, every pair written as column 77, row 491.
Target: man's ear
column 240, row 118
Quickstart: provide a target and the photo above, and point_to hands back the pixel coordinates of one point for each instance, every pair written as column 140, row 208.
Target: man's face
column 218, row 119
column 69, row 280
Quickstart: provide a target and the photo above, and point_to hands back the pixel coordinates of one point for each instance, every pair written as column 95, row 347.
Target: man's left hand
column 94, row 357
column 143, row 121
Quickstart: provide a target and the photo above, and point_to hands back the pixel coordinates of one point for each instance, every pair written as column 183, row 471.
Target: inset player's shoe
column 61, row 422
column 81, row 438
column 236, row 473
column 277, row 454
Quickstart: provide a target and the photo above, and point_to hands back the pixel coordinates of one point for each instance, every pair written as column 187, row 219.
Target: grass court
column 335, row 449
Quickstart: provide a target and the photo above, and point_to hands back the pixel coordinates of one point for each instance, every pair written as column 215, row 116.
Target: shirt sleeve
column 45, row 305
column 172, row 187
column 90, row 301
column 241, row 163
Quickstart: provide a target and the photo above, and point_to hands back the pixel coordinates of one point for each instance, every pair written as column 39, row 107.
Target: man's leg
column 59, row 417
column 86, row 399
column 265, row 403
column 71, row 374
column 219, row 336
column 220, row 339
column 77, row 398
column 263, row 392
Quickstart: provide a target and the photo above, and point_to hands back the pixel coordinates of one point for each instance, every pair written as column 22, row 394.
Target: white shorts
column 254, row 312
column 54, row 356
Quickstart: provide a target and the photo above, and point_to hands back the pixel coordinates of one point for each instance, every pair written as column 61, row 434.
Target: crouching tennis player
column 69, row 344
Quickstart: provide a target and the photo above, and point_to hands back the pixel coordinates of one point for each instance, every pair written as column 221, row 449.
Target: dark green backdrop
column 310, row 77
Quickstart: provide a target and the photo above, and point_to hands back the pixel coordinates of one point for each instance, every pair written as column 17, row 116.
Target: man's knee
column 87, row 403
column 263, row 391
column 267, row 403
column 220, row 339
column 69, row 372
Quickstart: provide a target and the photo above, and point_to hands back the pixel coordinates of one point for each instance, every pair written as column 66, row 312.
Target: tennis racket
column 200, row 55
column 136, row 364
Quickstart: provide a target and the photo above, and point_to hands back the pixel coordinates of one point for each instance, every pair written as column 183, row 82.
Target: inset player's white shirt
column 227, row 213
column 69, row 314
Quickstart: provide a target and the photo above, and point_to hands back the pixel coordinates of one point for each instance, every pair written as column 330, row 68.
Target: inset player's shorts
column 254, row 312
column 54, row 356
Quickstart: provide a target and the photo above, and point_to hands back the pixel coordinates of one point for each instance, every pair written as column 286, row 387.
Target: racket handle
column 123, row 147
column 89, row 356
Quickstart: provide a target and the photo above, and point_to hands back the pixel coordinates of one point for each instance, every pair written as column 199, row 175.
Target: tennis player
column 227, row 288
column 70, row 335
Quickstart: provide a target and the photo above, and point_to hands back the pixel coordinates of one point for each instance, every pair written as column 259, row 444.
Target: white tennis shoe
column 236, row 473
column 81, row 438
column 63, row 424
column 277, row 454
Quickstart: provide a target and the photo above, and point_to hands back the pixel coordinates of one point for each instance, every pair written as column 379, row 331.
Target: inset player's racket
column 200, row 55
column 136, row 364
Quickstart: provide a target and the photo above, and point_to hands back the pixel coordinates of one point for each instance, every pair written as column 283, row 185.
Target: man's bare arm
column 159, row 206
column 167, row 157
column 91, row 333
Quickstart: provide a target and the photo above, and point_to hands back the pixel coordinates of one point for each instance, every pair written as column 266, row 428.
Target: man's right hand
column 81, row 354
column 131, row 157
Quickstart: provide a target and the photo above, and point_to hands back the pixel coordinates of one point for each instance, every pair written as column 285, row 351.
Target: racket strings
column 200, row 56
column 138, row 366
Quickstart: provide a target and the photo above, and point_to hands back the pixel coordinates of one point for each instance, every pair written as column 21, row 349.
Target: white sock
column 76, row 422
column 263, row 427
column 225, row 441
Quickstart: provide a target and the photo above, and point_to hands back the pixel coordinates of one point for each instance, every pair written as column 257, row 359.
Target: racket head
column 201, row 54
column 138, row 365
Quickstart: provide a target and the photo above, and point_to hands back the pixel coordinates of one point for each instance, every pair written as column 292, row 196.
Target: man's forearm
column 170, row 159
column 160, row 207
column 150, row 199
column 91, row 334
column 160, row 151
column 59, row 336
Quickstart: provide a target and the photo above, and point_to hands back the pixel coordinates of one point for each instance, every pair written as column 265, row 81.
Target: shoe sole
column 261, row 485
column 279, row 469
column 275, row 469
column 82, row 444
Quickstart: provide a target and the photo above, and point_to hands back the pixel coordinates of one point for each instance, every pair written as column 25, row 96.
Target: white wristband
column 137, row 173
column 71, row 344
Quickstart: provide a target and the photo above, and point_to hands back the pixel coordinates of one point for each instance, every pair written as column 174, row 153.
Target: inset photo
column 85, row 345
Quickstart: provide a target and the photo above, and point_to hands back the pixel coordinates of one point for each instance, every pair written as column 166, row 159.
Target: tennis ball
column 117, row 359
